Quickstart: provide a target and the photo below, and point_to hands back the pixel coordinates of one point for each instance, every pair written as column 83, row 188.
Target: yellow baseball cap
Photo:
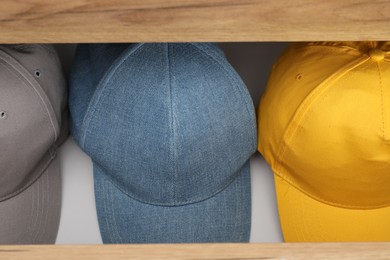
column 324, row 127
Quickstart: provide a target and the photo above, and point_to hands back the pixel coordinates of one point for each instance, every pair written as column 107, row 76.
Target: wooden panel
column 286, row 251
column 45, row 21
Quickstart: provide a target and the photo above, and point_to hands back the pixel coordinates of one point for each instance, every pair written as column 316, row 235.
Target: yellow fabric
column 324, row 127
column 304, row 219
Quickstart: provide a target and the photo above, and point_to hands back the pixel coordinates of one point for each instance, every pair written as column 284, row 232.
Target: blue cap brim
column 225, row 217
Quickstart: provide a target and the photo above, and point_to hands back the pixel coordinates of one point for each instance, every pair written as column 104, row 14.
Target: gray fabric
column 33, row 216
column 33, row 100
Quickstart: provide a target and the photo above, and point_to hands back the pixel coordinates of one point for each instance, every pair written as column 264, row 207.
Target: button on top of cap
column 376, row 54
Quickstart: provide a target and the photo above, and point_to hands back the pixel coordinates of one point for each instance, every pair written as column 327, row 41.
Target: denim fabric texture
column 170, row 129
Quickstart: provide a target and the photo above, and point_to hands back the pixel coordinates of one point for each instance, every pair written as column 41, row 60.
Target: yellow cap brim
column 304, row 219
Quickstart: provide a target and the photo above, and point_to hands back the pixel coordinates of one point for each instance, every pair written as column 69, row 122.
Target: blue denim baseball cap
column 170, row 128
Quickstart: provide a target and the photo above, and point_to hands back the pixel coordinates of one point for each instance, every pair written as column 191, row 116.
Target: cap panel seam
column 44, row 209
column 36, row 87
column 112, row 219
column 234, row 77
column 42, row 169
column 382, row 103
column 38, row 221
column 228, row 72
column 300, row 113
column 32, row 219
column 101, row 88
column 106, row 212
column 241, row 201
column 294, row 127
column 238, row 209
column 8, row 60
column 111, row 227
column 352, row 51
column 348, row 206
column 172, row 117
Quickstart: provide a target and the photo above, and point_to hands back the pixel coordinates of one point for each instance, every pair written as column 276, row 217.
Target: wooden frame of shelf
column 249, row 251
column 80, row 21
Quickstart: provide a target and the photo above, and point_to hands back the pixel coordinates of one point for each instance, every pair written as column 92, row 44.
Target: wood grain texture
column 285, row 251
column 47, row 21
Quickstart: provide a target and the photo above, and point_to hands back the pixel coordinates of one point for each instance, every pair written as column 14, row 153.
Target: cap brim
column 304, row 219
column 224, row 217
column 32, row 217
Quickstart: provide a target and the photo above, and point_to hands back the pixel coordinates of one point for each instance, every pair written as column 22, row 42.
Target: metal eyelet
column 3, row 115
column 37, row 73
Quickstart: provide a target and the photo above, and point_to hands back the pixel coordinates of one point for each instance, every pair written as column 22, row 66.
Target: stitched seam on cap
column 298, row 130
column 114, row 226
column 320, row 100
column 101, row 88
column 31, row 220
column 37, row 224
column 109, row 218
column 42, row 169
column 352, row 51
column 24, row 83
column 300, row 113
column 47, row 186
column 229, row 72
column 240, row 208
column 32, row 84
column 173, row 124
column 236, row 79
column 382, row 102
column 44, row 208
column 39, row 229
column 106, row 212
column 299, row 117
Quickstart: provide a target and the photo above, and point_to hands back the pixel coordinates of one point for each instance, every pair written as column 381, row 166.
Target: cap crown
column 170, row 124
column 32, row 98
column 325, row 122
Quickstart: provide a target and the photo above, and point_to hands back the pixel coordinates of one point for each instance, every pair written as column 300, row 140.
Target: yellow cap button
column 376, row 54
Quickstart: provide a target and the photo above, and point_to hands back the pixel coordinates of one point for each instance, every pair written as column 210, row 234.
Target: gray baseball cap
column 32, row 126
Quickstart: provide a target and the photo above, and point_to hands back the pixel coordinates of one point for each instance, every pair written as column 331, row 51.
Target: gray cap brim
column 33, row 215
